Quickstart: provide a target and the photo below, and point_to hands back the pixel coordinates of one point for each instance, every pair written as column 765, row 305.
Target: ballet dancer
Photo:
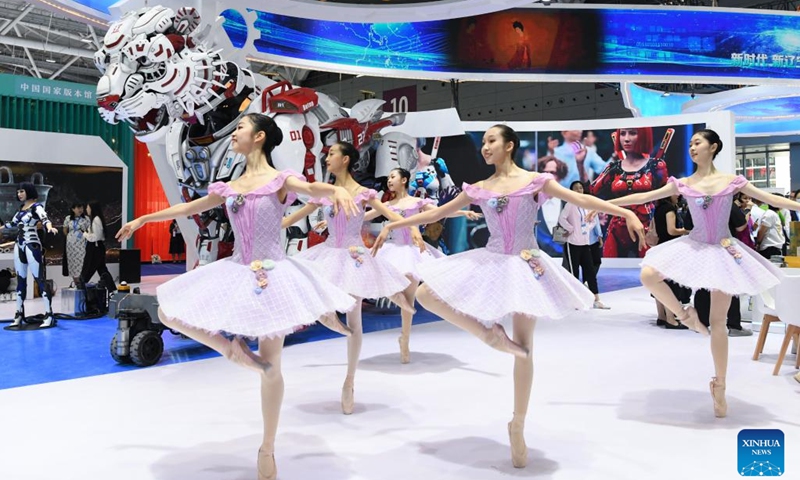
column 400, row 251
column 258, row 292
column 708, row 257
column 344, row 260
column 476, row 289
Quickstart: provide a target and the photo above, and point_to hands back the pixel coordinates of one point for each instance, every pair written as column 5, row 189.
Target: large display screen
column 573, row 43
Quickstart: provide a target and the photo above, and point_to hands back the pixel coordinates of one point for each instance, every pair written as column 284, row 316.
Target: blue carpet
column 76, row 349
column 163, row 268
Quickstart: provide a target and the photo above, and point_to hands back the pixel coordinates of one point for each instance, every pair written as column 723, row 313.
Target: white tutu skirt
column 363, row 277
column 407, row 258
column 221, row 297
column 490, row 286
column 710, row 266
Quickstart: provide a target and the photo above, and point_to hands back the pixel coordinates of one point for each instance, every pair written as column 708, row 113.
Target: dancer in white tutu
column 708, row 257
column 511, row 277
column 344, row 260
column 401, row 252
column 258, row 292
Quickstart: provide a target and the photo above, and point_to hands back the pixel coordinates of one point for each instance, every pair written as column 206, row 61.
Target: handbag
column 560, row 234
column 651, row 235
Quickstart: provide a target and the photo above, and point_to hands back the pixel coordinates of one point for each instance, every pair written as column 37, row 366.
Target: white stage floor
column 614, row 398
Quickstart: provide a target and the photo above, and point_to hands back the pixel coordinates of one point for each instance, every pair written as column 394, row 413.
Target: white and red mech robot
column 165, row 77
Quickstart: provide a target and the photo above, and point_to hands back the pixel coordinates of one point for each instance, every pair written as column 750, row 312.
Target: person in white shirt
column 769, row 237
column 577, row 251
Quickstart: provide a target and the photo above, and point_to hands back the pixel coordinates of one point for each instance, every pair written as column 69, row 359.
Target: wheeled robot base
column 138, row 337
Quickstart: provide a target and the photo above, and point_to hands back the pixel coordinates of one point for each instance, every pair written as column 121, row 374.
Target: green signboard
column 44, row 89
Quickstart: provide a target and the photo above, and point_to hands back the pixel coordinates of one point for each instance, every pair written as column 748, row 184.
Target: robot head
column 145, row 82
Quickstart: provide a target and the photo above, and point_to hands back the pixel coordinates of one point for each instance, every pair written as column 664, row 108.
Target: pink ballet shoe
column 496, row 338
column 267, row 469
column 332, row 322
column 718, row 394
column 519, row 451
column 405, row 353
column 240, row 353
column 348, row 397
column 691, row 320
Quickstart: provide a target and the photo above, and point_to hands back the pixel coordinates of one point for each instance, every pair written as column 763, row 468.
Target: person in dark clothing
column 667, row 228
column 702, row 298
column 95, row 258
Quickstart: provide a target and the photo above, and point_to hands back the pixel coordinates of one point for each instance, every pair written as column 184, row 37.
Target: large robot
column 166, row 78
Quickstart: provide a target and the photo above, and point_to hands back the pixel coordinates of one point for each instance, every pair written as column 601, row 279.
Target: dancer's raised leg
column 654, row 282
column 235, row 350
column 523, row 381
column 495, row 337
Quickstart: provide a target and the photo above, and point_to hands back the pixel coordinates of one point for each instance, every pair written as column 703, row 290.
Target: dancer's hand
column 416, row 237
column 380, row 240
column 473, row 215
column 342, row 199
column 52, row 229
column 127, row 230
column 636, row 229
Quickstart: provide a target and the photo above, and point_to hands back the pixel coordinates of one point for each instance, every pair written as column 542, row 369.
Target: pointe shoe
column 267, row 469
column 691, row 320
column 496, row 338
column 348, row 398
column 718, row 394
column 519, row 451
column 405, row 353
column 332, row 322
column 241, row 354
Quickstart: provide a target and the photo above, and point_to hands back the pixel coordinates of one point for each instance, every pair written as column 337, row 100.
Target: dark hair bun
column 274, row 134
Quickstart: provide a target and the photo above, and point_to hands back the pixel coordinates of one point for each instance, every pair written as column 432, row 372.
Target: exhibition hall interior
column 391, row 239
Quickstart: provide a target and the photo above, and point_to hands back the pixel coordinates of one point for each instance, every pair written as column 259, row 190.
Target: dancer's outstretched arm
column 180, row 210
column 340, row 197
column 667, row 190
column 589, row 202
column 460, row 213
column 294, row 217
column 770, row 198
column 382, row 209
column 372, row 214
column 424, row 218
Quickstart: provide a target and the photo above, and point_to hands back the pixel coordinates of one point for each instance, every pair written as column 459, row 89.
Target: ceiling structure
column 38, row 39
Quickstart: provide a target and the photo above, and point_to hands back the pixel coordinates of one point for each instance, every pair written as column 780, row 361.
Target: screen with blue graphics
column 615, row 42
column 101, row 6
